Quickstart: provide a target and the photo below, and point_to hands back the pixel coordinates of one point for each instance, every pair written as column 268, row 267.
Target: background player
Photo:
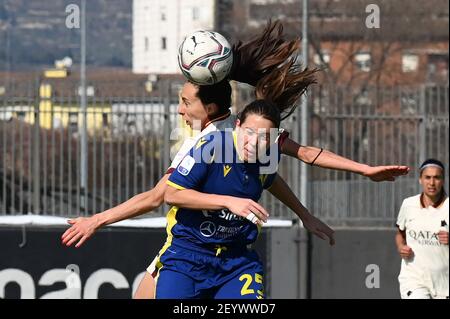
column 422, row 237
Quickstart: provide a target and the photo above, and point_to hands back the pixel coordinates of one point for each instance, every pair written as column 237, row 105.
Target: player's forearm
column 330, row 160
column 283, row 192
column 324, row 159
column 183, row 198
column 135, row 206
column 399, row 240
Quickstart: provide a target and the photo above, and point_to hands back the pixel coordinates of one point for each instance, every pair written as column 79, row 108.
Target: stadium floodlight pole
column 303, row 237
column 83, row 136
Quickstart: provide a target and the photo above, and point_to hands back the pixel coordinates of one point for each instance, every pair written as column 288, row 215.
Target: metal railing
column 129, row 149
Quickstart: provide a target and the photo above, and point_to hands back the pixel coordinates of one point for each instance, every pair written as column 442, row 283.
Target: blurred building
column 409, row 48
column 118, row 100
column 159, row 26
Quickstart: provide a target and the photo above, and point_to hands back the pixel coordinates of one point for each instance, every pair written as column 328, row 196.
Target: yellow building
column 57, row 115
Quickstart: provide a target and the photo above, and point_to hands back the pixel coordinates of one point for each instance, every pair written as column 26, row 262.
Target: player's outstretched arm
column 327, row 159
column 82, row 228
column 283, row 192
column 192, row 199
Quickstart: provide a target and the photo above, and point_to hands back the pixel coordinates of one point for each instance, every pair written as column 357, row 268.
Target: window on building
column 90, row 91
column 325, row 57
column 146, row 44
column 438, row 67
column 195, row 13
column 363, row 98
column 20, row 115
column 363, row 61
column 73, row 121
column 57, row 123
column 431, row 68
column 321, row 100
column 410, row 62
column 131, row 120
column 164, row 43
column 105, row 120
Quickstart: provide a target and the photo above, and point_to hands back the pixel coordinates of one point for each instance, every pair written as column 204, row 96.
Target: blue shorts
column 193, row 274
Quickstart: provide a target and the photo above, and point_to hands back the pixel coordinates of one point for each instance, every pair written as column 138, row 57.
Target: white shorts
column 418, row 293
column 152, row 269
column 421, row 293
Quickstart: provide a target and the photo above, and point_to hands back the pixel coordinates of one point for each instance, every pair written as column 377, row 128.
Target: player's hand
column 385, row 173
column 443, row 237
column 406, row 252
column 245, row 207
column 319, row 228
column 81, row 230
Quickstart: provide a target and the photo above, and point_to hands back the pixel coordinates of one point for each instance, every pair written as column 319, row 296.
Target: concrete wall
column 362, row 264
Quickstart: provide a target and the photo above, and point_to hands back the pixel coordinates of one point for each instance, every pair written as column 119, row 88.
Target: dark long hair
column 219, row 93
column 269, row 62
column 264, row 108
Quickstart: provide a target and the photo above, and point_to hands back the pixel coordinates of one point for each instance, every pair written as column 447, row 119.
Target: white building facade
column 159, row 27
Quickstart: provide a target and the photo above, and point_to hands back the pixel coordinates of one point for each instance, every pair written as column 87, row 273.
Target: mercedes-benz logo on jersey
column 208, row 229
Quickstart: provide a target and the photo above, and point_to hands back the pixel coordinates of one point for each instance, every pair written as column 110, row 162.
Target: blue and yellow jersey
column 213, row 166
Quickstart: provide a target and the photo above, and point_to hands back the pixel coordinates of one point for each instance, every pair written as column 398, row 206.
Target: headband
column 431, row 165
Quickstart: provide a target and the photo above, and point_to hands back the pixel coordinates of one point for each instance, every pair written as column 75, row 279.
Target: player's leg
column 175, row 285
column 146, row 288
column 177, row 268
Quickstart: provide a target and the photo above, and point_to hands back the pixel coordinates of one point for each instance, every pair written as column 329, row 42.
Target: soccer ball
column 205, row 57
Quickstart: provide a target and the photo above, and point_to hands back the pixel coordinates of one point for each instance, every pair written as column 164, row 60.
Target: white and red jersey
column 429, row 267
column 219, row 124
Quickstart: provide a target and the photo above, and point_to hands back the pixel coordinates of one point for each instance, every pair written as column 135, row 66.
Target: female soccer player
column 214, row 191
column 422, row 237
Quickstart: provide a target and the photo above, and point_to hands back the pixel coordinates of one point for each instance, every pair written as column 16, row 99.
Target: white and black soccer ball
column 205, row 57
